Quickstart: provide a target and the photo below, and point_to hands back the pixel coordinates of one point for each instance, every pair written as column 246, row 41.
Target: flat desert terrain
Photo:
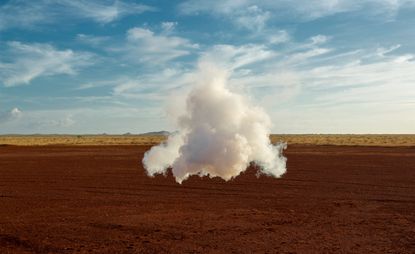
column 301, row 139
column 98, row 199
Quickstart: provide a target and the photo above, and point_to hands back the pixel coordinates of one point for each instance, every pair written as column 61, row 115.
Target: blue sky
column 329, row 66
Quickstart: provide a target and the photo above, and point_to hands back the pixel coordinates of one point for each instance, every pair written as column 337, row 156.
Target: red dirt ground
column 97, row 199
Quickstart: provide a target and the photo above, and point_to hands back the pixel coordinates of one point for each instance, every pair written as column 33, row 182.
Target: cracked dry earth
column 98, row 199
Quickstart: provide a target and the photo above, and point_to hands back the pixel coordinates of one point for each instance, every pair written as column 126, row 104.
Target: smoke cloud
column 219, row 135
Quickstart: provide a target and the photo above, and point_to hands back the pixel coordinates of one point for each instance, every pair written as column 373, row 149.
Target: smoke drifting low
column 220, row 133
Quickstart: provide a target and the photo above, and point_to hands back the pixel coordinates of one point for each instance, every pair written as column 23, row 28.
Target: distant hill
column 156, row 133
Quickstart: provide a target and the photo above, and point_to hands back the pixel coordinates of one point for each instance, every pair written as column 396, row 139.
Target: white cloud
column 11, row 115
column 168, row 26
column 153, row 86
column 224, row 6
column 302, row 57
column 302, row 10
column 104, row 11
column 242, row 13
column 252, row 18
column 144, row 46
column 233, row 57
column 383, row 51
column 92, row 39
column 25, row 62
column 304, row 69
column 59, row 122
column 37, row 121
column 339, row 94
column 323, row 86
column 384, row 80
column 350, row 95
column 278, row 37
column 103, row 119
column 319, row 39
column 18, row 14
column 30, row 14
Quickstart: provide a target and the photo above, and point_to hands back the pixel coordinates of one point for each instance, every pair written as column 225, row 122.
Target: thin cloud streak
column 302, row 10
column 30, row 61
column 32, row 14
column 145, row 46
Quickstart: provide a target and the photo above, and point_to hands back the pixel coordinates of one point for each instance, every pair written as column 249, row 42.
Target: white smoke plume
column 219, row 135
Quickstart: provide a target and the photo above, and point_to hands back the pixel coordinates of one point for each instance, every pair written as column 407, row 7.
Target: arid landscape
column 299, row 139
column 219, row 126
column 96, row 198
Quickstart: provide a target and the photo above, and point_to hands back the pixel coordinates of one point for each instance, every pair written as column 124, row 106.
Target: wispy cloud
column 277, row 37
column 234, row 57
column 30, row 14
column 7, row 116
column 313, row 76
column 352, row 77
column 313, row 69
column 253, row 18
column 92, row 40
column 254, row 14
column 168, row 26
column 145, row 46
column 103, row 119
column 36, row 121
column 154, row 86
column 104, row 11
column 25, row 62
column 59, row 122
column 384, row 79
column 242, row 13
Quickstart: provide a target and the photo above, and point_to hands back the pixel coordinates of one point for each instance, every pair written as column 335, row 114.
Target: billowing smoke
column 220, row 133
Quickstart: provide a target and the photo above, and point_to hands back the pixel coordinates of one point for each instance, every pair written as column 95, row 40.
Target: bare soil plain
column 98, row 199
